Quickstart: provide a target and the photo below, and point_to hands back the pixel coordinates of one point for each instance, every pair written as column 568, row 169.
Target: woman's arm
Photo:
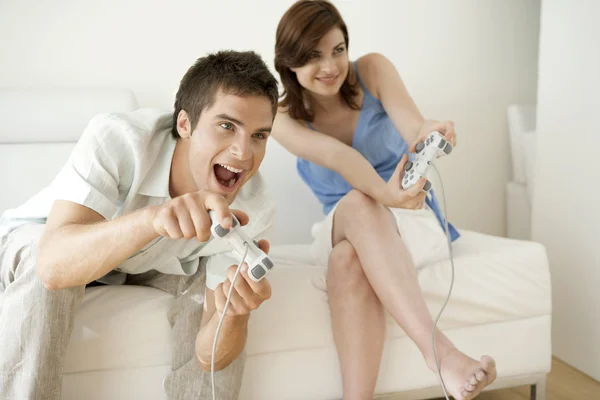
column 333, row 154
column 383, row 81
column 330, row 153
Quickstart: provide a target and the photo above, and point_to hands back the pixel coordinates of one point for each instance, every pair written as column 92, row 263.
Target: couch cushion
column 521, row 120
column 120, row 327
column 496, row 280
column 61, row 114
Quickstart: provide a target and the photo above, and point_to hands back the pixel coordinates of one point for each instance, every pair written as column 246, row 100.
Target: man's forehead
column 243, row 107
column 232, row 97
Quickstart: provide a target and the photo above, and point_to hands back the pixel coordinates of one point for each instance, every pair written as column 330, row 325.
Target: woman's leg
column 358, row 322
column 388, row 266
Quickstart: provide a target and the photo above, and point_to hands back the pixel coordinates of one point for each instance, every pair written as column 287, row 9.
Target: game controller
column 432, row 147
column 259, row 264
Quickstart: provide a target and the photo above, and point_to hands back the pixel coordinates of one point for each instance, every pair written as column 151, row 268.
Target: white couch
column 519, row 190
column 120, row 347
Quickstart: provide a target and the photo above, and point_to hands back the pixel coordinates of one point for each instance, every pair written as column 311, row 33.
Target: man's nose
column 240, row 148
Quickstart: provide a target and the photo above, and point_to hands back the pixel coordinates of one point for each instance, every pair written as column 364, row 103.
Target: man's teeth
column 230, row 168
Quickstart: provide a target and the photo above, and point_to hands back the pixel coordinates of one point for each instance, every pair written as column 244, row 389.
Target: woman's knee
column 345, row 271
column 358, row 213
column 357, row 206
column 357, row 200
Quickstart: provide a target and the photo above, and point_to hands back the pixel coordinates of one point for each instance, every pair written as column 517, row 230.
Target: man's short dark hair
column 233, row 72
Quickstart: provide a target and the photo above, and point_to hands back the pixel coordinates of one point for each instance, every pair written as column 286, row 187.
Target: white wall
column 464, row 60
column 566, row 216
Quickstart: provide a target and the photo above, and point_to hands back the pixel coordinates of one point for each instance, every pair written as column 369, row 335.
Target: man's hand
column 187, row 216
column 247, row 295
column 446, row 128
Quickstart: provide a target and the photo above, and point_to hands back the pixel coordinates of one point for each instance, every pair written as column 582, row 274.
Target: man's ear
column 184, row 125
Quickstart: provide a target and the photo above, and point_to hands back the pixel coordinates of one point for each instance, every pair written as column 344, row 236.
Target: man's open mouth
column 227, row 175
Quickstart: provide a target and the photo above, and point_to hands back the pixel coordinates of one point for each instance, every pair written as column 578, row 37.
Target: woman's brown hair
column 298, row 33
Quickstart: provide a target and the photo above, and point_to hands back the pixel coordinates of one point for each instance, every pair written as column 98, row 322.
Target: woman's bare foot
column 463, row 376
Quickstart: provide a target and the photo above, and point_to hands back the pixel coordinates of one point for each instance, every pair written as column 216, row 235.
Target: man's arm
column 79, row 246
column 232, row 338
column 247, row 296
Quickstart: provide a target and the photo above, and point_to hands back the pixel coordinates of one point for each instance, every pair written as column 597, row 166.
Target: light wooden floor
column 564, row 383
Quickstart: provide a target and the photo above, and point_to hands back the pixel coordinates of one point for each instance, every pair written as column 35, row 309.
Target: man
column 130, row 207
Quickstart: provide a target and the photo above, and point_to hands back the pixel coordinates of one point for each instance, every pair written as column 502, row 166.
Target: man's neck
column 180, row 179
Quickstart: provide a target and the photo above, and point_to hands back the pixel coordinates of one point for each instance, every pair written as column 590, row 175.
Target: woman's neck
column 326, row 104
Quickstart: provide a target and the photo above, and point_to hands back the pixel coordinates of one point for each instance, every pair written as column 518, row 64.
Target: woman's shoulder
column 284, row 123
column 369, row 67
column 371, row 60
column 283, row 114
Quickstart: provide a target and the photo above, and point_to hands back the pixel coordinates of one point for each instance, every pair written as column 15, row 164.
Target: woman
column 351, row 124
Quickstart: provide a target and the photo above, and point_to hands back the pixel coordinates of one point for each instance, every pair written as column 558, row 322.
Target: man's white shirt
column 122, row 163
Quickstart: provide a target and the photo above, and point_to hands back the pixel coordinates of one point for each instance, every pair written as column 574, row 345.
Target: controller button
column 258, row 272
column 419, row 147
column 268, row 263
column 221, row 231
column 408, row 165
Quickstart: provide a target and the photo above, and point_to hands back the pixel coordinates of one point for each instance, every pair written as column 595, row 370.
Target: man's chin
column 227, row 194
column 230, row 198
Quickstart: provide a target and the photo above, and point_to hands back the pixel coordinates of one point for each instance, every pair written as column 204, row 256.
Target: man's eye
column 260, row 135
column 226, row 125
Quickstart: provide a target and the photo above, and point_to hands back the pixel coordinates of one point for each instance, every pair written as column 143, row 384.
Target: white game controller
column 258, row 262
column 432, row 147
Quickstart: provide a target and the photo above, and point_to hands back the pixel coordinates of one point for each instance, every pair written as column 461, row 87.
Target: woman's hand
column 411, row 198
column 446, row 128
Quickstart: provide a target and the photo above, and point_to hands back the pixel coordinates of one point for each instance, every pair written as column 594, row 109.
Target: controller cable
column 214, row 349
column 212, row 364
column 445, row 215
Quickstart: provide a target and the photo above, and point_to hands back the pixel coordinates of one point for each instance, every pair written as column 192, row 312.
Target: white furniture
column 120, row 347
column 519, row 191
